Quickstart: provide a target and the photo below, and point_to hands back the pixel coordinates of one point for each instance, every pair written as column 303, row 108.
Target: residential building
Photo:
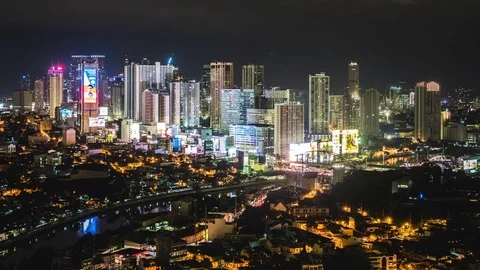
column 318, row 116
column 288, row 127
column 221, row 77
column 427, row 112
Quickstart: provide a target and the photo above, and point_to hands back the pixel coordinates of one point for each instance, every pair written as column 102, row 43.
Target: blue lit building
column 258, row 138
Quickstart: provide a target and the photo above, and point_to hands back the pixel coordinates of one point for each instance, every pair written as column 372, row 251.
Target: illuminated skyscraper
column 55, row 88
column 370, row 112
column 190, row 104
column 336, row 112
column 427, row 111
column 205, row 97
column 253, row 78
column 39, row 94
column 139, row 77
column 353, row 79
column 221, row 77
column 288, row 127
column 89, row 85
column 234, row 106
column 319, row 92
column 116, row 86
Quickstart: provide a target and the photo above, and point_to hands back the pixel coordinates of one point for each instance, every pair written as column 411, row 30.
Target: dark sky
column 392, row 40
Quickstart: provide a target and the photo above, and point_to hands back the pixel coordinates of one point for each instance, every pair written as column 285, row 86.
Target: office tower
column 288, row 127
column 253, row 78
column 138, row 77
column 116, row 87
column 205, row 97
column 164, row 107
column 55, row 88
column 276, row 96
column 234, row 106
column 77, row 73
column 149, row 112
column 39, row 94
column 370, row 113
column 25, row 82
column 353, row 79
column 337, row 112
column 258, row 138
column 175, row 99
column 221, row 77
column 104, row 94
column 260, row 116
column 319, row 92
column 190, row 104
column 22, row 100
column 300, row 96
column 427, row 111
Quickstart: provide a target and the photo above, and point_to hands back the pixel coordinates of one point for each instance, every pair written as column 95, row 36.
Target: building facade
column 39, row 96
column 288, row 127
column 370, row 113
column 336, row 112
column 234, row 106
column 427, row 112
column 55, row 88
column 258, row 138
column 221, row 77
column 319, row 92
column 253, row 78
column 150, row 106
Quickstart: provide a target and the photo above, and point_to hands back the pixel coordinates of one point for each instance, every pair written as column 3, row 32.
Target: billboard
column 176, row 145
column 90, row 226
column 90, row 85
column 470, row 164
column 345, row 141
column 96, row 122
column 103, row 111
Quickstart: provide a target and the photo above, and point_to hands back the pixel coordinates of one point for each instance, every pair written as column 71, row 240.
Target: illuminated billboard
column 345, row 141
column 103, row 111
column 176, row 145
column 90, row 85
column 96, row 122
column 90, row 226
column 470, row 164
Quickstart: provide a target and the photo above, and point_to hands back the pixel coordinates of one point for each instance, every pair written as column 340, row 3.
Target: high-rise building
column 370, row 113
column 319, row 92
column 234, row 106
column 39, row 94
column 221, row 77
column 205, row 97
column 276, row 95
column 116, row 86
column 258, row 138
column 90, row 73
column 336, row 112
column 55, row 88
column 353, row 79
column 130, row 130
column 23, row 100
column 427, row 111
column 139, row 77
column 150, row 106
column 288, row 127
column 164, row 107
column 300, row 96
column 352, row 109
column 176, row 99
column 190, row 104
column 260, row 116
column 253, row 78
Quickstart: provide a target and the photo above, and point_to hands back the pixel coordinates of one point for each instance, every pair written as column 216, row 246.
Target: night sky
column 391, row 39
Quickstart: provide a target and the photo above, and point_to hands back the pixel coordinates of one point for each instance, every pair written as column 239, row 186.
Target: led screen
column 89, row 85
column 90, row 226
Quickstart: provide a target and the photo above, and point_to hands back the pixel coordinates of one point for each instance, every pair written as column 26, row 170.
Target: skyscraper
column 427, row 111
column 205, row 97
column 175, row 99
column 353, row 79
column 39, row 94
column 150, row 106
column 370, row 113
column 116, row 86
column 55, row 88
column 164, row 107
column 139, row 77
column 319, row 92
column 190, row 104
column 253, row 78
column 25, row 82
column 221, row 77
column 234, row 106
column 288, row 127
column 336, row 112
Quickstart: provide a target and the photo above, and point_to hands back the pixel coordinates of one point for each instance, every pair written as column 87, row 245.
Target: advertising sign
column 103, row 111
column 470, row 164
column 345, row 141
column 90, row 85
column 176, row 145
column 90, row 226
column 96, row 122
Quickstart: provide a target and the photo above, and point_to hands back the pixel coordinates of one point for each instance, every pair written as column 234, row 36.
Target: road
column 95, row 212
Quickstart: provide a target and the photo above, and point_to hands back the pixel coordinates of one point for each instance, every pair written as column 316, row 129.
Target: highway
column 99, row 211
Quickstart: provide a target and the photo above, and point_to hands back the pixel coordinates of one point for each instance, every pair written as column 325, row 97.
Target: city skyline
column 448, row 61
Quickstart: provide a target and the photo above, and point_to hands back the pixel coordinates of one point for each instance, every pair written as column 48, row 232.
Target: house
column 310, row 211
column 278, row 207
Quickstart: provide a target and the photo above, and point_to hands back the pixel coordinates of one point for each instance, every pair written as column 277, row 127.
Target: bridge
column 168, row 196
